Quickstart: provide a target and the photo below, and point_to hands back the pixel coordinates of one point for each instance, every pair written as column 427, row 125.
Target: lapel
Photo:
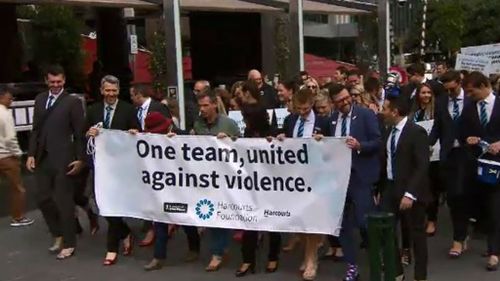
column 496, row 111
column 354, row 121
column 100, row 112
column 402, row 136
column 333, row 126
column 293, row 120
column 115, row 114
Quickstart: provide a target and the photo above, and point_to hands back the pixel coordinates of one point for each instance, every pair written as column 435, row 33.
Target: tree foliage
column 158, row 62
column 57, row 40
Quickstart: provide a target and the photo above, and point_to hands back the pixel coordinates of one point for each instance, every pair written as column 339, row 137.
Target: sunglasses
column 312, row 87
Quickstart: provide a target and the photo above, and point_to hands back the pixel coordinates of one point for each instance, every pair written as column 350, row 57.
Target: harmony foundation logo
column 204, row 209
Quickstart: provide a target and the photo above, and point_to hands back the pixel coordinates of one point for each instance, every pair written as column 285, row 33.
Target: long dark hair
column 256, row 120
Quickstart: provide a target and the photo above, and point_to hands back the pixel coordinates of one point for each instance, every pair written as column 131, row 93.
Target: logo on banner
column 204, row 209
column 175, row 207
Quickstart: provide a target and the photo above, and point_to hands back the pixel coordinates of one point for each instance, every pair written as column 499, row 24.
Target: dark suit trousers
column 359, row 203
column 493, row 203
column 117, row 231
column 249, row 246
column 55, row 197
column 456, row 180
column 415, row 218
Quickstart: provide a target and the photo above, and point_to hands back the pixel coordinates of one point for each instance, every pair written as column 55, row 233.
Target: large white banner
column 298, row 185
column 427, row 125
column 473, row 63
column 491, row 51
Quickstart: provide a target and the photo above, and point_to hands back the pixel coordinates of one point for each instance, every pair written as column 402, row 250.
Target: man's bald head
column 255, row 76
column 201, row 86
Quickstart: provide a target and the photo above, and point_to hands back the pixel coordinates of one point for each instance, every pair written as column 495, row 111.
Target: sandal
column 214, row 264
column 66, row 253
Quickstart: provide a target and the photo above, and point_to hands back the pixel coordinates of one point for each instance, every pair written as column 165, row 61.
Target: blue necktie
column 456, row 109
column 50, row 102
column 107, row 118
column 393, row 150
column 484, row 115
column 343, row 131
column 300, row 131
column 139, row 115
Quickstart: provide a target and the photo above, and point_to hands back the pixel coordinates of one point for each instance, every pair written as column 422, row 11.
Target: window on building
column 318, row 18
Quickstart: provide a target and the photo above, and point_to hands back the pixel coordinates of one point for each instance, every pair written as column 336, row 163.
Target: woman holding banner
column 257, row 126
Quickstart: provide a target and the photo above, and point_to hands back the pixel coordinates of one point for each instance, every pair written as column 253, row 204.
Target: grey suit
column 56, row 140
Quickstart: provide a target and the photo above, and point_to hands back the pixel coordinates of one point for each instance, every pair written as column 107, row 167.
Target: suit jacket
column 320, row 125
column 445, row 129
column 154, row 106
column 471, row 127
column 269, row 97
column 58, row 132
column 365, row 128
column 411, row 171
column 124, row 117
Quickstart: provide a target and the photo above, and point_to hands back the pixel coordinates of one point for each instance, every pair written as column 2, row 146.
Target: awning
column 314, row 7
column 225, row 6
column 138, row 4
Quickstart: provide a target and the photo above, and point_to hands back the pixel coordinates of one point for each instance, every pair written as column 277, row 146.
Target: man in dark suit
column 481, row 123
column 455, row 168
column 140, row 96
column 56, row 155
column 360, row 128
column 416, row 76
column 305, row 124
column 406, row 190
column 115, row 114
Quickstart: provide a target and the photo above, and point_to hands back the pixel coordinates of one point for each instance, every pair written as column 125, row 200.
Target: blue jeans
column 219, row 240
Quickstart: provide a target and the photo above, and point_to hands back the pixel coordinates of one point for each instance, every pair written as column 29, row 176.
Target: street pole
column 296, row 36
column 384, row 51
column 175, row 77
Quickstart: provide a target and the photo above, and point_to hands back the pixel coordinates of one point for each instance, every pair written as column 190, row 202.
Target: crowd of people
column 391, row 169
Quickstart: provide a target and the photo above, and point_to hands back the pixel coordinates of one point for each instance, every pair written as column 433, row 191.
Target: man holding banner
column 305, row 124
column 210, row 122
column 360, row 128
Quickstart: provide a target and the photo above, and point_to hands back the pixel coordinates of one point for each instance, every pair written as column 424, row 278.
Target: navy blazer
column 471, row 126
column 445, row 129
column 364, row 127
column 320, row 125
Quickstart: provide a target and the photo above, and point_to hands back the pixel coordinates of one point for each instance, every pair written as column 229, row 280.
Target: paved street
column 24, row 256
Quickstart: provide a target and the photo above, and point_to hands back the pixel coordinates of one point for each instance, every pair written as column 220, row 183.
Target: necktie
column 418, row 115
column 107, row 118
column 300, row 131
column 456, row 109
column 393, row 150
column 484, row 115
column 139, row 115
column 50, row 101
column 343, row 131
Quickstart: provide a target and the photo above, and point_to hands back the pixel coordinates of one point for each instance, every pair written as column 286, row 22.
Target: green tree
column 158, row 62
column 482, row 23
column 446, row 24
column 57, row 40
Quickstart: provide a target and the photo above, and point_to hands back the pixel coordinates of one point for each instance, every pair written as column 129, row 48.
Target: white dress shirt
column 490, row 103
column 390, row 176
column 8, row 137
column 308, row 125
column 55, row 95
column 338, row 127
column 145, row 108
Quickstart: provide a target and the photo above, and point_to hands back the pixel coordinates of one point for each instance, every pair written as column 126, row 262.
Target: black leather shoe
column 250, row 268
